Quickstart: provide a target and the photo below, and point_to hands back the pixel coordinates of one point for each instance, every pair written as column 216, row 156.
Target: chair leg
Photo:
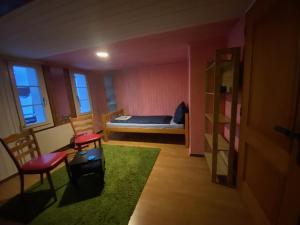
column 51, row 185
column 95, row 144
column 105, row 137
column 68, row 168
column 42, row 178
column 22, row 183
column 100, row 143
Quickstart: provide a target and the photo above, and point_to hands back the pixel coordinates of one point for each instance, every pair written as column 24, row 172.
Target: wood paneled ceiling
column 43, row 29
column 6, row 6
column 153, row 49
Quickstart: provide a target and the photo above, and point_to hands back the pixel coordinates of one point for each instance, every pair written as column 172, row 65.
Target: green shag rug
column 126, row 172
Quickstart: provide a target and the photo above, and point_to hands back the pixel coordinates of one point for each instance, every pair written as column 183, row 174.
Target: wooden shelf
column 224, row 156
column 223, row 144
column 211, row 66
column 226, row 64
column 222, row 118
column 221, row 76
column 222, row 168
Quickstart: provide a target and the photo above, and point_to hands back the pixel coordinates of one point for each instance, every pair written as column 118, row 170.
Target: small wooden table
column 84, row 139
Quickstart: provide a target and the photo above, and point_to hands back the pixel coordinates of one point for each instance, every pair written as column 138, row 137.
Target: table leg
column 51, row 185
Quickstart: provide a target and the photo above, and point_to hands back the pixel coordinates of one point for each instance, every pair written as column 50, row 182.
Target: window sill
column 39, row 127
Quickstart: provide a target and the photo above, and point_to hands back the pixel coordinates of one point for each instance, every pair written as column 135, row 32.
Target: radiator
column 54, row 138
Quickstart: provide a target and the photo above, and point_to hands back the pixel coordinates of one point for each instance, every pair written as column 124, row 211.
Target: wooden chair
column 84, row 131
column 25, row 153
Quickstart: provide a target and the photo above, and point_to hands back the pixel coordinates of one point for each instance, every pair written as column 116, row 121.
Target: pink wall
column 57, row 88
column 152, row 90
column 235, row 39
column 236, row 35
column 199, row 54
column 238, row 119
column 158, row 89
column 96, row 87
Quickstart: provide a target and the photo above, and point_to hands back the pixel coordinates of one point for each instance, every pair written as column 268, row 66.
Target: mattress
column 144, row 122
column 143, row 119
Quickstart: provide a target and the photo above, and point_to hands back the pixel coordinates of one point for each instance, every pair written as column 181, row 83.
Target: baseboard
column 9, row 177
column 197, row 155
column 63, row 148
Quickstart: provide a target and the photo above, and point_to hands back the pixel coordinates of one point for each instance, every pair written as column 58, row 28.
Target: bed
column 119, row 122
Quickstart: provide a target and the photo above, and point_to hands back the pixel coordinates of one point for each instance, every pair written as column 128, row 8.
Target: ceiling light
column 102, row 54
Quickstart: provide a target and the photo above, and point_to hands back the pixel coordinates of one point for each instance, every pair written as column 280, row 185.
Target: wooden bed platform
column 107, row 130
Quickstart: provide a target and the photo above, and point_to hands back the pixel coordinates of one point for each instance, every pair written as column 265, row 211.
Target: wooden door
column 267, row 168
column 290, row 208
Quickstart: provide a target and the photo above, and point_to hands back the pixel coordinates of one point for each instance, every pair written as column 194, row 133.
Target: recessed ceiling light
column 102, row 54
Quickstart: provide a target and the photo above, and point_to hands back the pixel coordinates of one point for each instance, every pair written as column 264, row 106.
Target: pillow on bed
column 179, row 113
column 123, row 117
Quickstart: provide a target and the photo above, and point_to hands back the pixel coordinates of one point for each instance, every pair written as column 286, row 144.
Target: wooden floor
column 178, row 191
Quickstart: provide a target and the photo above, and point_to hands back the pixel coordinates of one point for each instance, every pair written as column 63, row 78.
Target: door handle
column 44, row 102
column 78, row 100
column 292, row 135
column 287, row 132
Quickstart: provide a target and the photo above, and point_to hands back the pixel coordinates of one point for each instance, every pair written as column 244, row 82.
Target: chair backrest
column 83, row 124
column 21, row 147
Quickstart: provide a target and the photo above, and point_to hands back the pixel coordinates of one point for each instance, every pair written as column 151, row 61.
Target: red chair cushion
column 87, row 138
column 44, row 163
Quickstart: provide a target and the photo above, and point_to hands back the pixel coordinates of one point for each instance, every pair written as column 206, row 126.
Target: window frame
column 40, row 126
column 75, row 95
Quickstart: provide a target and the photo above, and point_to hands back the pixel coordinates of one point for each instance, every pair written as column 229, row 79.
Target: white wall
column 49, row 140
column 8, row 121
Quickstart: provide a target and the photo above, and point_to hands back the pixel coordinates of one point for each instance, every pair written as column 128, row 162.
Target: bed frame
column 107, row 130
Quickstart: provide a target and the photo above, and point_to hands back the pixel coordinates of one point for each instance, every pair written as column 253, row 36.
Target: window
column 110, row 93
column 81, row 93
column 31, row 96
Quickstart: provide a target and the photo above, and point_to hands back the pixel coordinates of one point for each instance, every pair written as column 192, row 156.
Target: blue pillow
column 179, row 113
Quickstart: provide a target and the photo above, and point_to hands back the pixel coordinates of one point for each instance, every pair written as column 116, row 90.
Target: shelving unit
column 222, row 118
column 221, row 79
